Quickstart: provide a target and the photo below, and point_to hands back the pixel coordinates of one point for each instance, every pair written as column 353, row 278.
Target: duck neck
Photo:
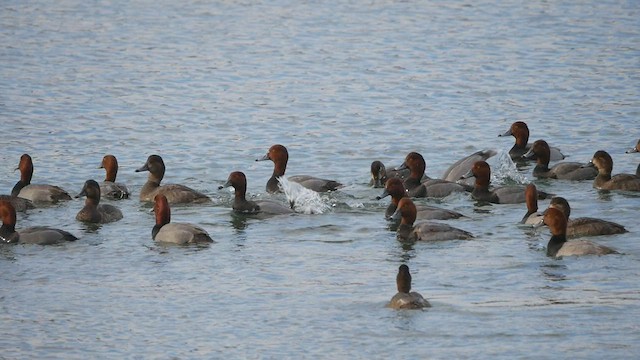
column 555, row 243
column 111, row 175
column 18, row 187
column 599, row 180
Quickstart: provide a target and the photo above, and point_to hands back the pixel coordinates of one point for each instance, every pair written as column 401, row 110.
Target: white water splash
column 504, row 170
column 302, row 199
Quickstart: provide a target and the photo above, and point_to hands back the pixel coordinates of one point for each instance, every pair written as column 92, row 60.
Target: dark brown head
column 540, row 151
column 531, row 198
column 154, row 165
column 280, row 156
column 110, row 164
column 416, row 164
column 556, row 221
column 561, row 204
column 91, row 190
column 162, row 210
column 520, row 131
column 26, row 168
column 395, row 188
column 238, row 180
column 403, row 279
column 407, row 210
column 603, row 162
column 378, row 174
column 7, row 214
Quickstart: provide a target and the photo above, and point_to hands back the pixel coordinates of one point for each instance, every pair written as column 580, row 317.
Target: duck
column 532, row 217
column 520, row 131
column 603, row 162
column 380, row 174
column 396, row 190
column 175, row 193
column 418, row 187
column 462, row 166
column 511, row 194
column 585, row 226
column 635, row 150
column 563, row 170
column 241, row 205
column 36, row 193
column 40, row 235
column 20, row 204
column 280, row 156
column 164, row 231
column 425, row 231
column 558, row 245
column 93, row 211
column 405, row 298
column 109, row 188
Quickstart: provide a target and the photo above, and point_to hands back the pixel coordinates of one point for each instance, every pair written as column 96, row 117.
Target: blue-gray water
column 211, row 85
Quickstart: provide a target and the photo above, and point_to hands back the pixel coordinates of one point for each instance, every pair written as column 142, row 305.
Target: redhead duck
column 405, row 298
column 564, row 170
column 520, row 131
column 241, row 205
column 37, row 193
column 559, row 246
column 585, row 226
column 603, row 162
column 417, row 187
column 532, row 217
column 426, row 231
column 40, row 235
column 176, row 233
column 395, row 189
column 20, row 204
column 93, row 211
column 175, row 193
column 380, row 174
column 280, row 156
column 109, row 188
column 512, row 194
column 462, row 166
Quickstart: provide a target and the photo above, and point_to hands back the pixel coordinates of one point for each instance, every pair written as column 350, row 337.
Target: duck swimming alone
column 165, row 231
column 241, row 205
column 405, row 298
column 109, row 188
column 93, row 211
column 604, row 163
column 511, row 194
column 520, row 131
column 395, row 189
column 280, row 156
column 585, row 226
column 563, row 170
column 175, row 193
column 37, row 193
column 418, row 187
column 40, row 235
column 425, row 231
column 558, row 245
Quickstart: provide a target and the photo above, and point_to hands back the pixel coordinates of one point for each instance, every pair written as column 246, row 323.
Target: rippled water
column 210, row 86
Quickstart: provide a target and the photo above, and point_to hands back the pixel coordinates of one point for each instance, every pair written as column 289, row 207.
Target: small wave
column 504, row 170
column 303, row 200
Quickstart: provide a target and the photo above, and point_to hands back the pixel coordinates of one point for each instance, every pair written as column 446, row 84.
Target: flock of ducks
column 402, row 184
